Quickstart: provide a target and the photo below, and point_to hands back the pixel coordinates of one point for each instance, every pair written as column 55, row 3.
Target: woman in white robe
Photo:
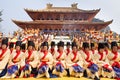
column 31, row 61
column 16, row 61
column 4, row 57
column 91, row 68
column 101, row 59
column 59, row 60
column 45, row 61
column 114, row 59
column 74, row 62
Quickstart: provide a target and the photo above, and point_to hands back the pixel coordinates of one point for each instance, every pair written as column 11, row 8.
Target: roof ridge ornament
column 49, row 5
column 74, row 5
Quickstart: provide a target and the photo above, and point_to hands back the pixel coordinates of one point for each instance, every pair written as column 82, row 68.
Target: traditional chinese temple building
column 62, row 18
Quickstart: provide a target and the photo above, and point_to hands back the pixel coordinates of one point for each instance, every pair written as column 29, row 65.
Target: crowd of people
column 91, row 55
column 36, row 35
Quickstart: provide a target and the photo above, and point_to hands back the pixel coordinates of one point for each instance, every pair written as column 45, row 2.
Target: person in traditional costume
column 105, row 69
column 11, row 46
column 45, row 61
column 91, row 68
column 68, row 48
column 16, row 61
column 59, row 60
column 31, row 61
column 114, row 59
column 4, row 57
column 52, row 49
column 74, row 62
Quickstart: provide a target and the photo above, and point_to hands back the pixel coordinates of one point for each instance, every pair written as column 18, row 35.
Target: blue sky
column 14, row 9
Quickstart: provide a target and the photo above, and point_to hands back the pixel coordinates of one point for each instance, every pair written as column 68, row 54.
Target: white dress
column 4, row 58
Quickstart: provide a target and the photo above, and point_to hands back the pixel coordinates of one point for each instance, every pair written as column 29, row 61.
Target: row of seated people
column 61, row 62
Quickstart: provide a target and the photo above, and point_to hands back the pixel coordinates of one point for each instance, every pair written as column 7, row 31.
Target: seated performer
column 45, row 61
column 31, row 61
column 59, row 60
column 105, row 68
column 4, row 57
column 74, row 62
column 16, row 61
column 114, row 59
column 89, row 64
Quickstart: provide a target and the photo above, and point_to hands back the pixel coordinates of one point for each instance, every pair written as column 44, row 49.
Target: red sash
column 88, row 55
column 115, row 55
column 18, row 53
column 68, row 51
column 59, row 63
column 45, row 54
column 52, row 50
column 101, row 55
column 75, row 55
column 3, row 52
column 41, row 50
column 26, row 38
column 106, row 51
column 44, row 62
column 60, row 54
column 24, row 51
column 93, row 51
column 11, row 51
column 29, row 54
